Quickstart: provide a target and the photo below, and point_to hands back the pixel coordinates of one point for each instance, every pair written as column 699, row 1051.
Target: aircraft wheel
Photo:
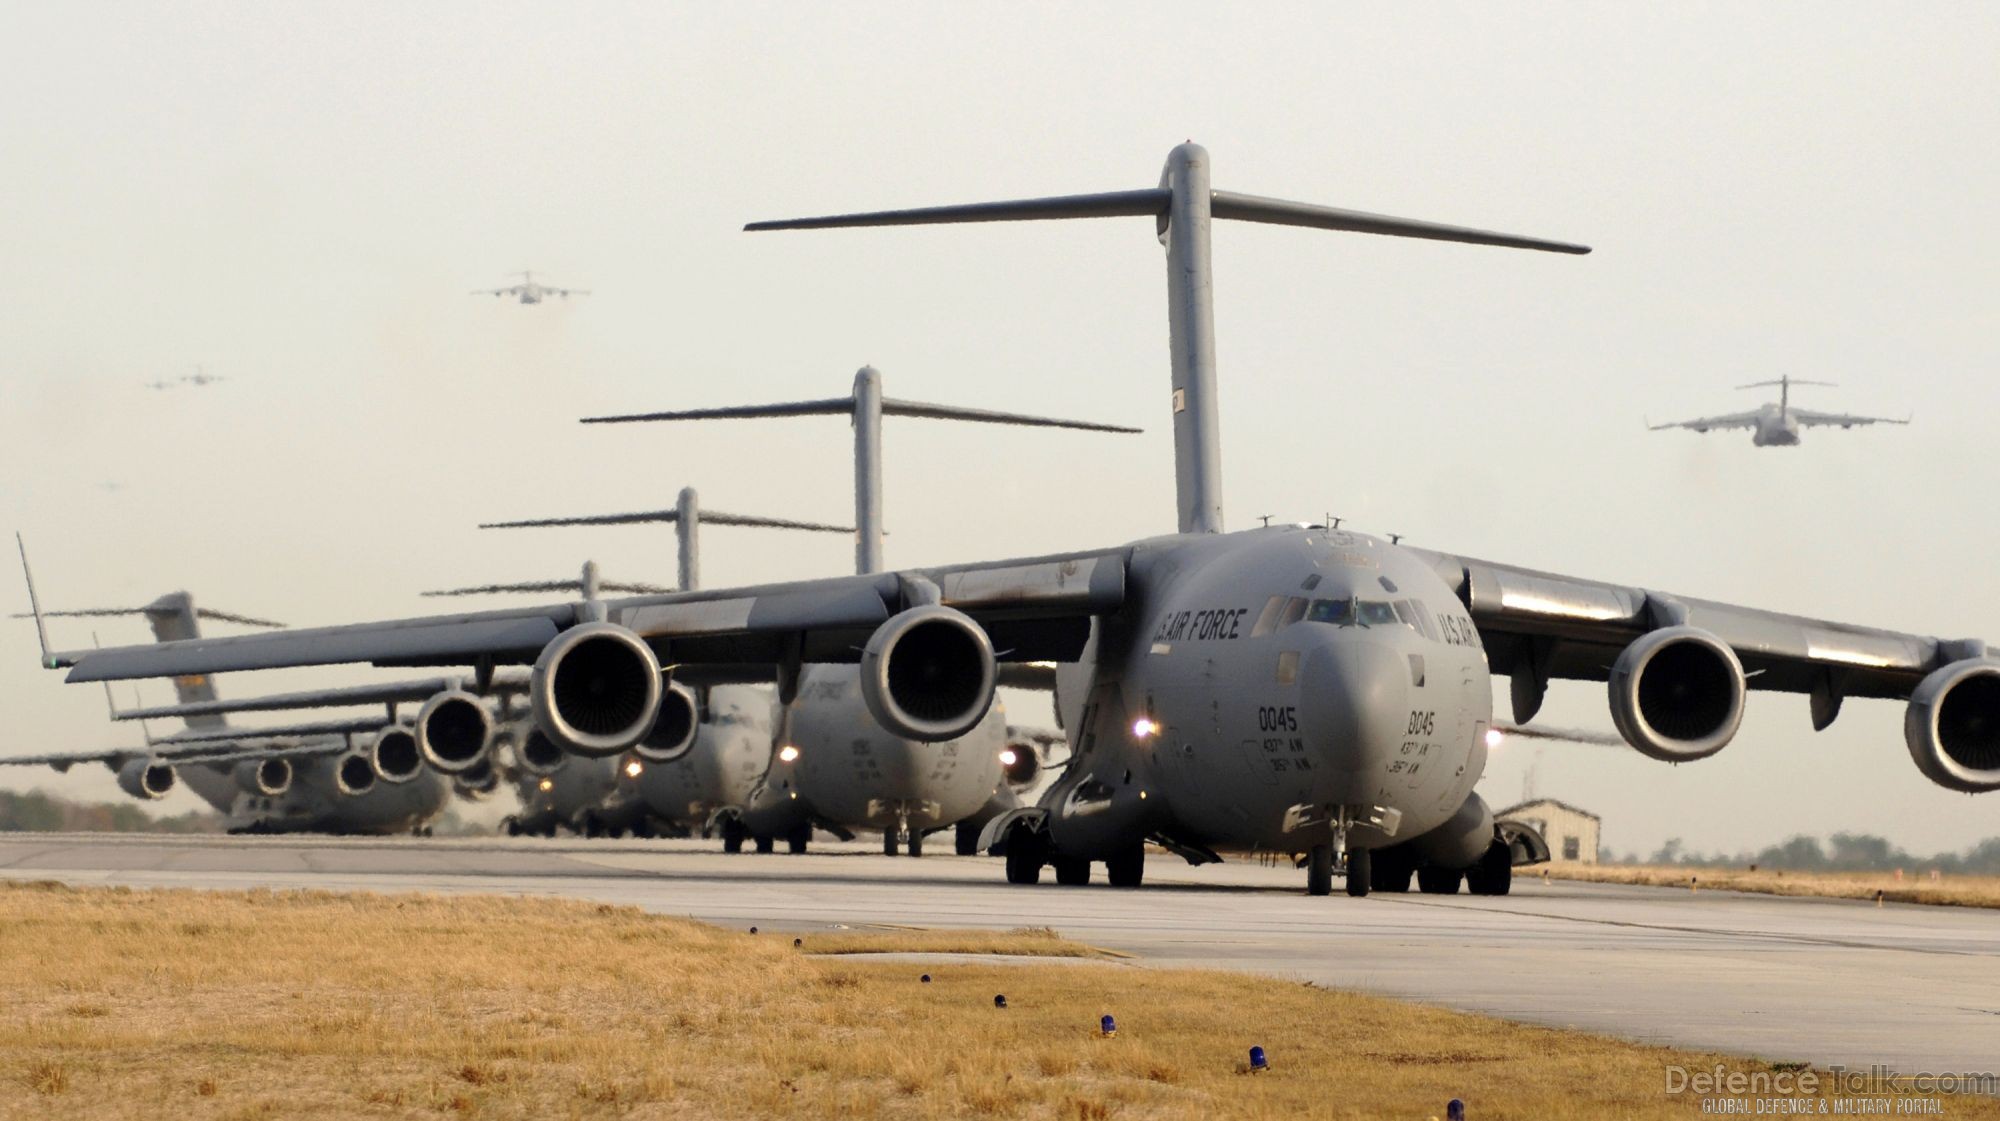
column 1390, row 871
column 512, row 827
column 1494, row 873
column 732, row 835
column 797, row 839
column 916, row 845
column 1438, row 881
column 1319, row 870
column 1072, row 871
column 766, row 843
column 1027, row 851
column 889, row 847
column 965, row 839
column 1360, row 864
column 1128, row 868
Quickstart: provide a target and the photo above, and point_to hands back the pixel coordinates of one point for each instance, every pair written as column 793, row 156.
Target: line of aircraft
column 1299, row 689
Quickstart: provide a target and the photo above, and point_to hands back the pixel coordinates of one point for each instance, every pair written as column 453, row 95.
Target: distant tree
column 1670, row 853
column 38, row 812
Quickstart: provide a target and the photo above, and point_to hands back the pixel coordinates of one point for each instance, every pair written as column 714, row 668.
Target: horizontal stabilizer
column 504, row 681
column 1155, row 201
column 893, row 407
column 1112, row 204
column 1782, row 382
column 107, row 612
column 647, row 517
column 837, row 406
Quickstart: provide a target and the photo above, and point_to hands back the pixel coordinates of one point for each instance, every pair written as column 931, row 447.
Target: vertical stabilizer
column 867, row 470
column 687, row 538
column 173, row 619
column 1182, row 208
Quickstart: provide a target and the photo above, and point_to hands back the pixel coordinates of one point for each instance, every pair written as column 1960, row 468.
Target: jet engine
column 354, row 773
column 536, row 753
column 673, row 730
column 269, row 778
column 1677, row 694
column 1952, row 726
column 150, row 779
column 1020, row 764
column 393, row 757
column 478, row 782
column 928, row 674
column 596, row 689
column 454, row 731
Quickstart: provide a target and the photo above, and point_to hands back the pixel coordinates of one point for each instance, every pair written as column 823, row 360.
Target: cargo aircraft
column 530, row 290
column 1778, row 424
column 1297, row 689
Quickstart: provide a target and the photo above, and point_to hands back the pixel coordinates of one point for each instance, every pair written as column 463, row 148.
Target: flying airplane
column 692, row 783
column 201, row 377
column 262, row 780
column 835, row 766
column 1778, row 424
column 1296, row 689
column 530, row 290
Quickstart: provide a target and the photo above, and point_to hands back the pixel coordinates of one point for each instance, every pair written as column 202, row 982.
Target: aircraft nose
column 1353, row 707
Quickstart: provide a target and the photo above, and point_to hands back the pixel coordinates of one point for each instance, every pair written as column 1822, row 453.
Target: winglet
column 49, row 660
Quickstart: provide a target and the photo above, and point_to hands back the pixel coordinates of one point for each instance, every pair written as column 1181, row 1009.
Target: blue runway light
column 1107, row 1027
column 999, row 1000
column 1258, row 1063
column 1454, row 1110
column 926, row 978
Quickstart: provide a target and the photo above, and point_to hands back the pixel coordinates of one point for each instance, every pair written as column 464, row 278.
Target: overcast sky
column 299, row 199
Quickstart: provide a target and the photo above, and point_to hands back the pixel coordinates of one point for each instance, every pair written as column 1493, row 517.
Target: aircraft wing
column 1845, row 420
column 1704, row 424
column 1035, row 609
column 391, row 692
column 1552, row 626
column 512, row 290
column 224, row 751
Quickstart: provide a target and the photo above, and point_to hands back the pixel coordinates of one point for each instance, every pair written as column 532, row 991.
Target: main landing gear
column 1028, row 851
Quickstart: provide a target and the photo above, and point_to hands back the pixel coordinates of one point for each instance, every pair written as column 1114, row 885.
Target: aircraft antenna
column 1182, row 208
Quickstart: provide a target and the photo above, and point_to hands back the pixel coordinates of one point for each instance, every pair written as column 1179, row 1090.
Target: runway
column 1830, row 982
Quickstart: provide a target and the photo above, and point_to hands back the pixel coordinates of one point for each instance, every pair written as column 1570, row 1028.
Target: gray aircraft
column 836, row 766
column 262, row 780
column 1297, row 689
column 530, row 290
column 1778, row 424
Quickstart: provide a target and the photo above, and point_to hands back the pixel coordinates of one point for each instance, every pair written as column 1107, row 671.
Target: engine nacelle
column 673, row 730
column 1677, row 694
column 1020, row 764
column 478, row 782
column 1952, row 726
column 268, row 778
column 1461, row 840
column 150, row 779
column 928, row 674
column 354, row 772
column 536, row 753
column 394, row 756
column 454, row 731
column 596, row 689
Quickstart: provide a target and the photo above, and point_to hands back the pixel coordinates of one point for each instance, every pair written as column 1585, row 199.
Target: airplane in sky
column 262, row 780
column 201, row 377
column 530, row 290
column 1298, row 689
column 836, row 766
column 1778, row 424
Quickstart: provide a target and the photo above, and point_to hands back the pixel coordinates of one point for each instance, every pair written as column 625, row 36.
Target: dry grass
column 1026, row 941
column 316, row 1005
column 1948, row 891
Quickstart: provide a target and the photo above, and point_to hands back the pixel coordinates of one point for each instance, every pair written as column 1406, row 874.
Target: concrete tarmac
column 1830, row 982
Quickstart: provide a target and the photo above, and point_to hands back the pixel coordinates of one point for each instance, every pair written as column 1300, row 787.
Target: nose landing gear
column 1322, row 859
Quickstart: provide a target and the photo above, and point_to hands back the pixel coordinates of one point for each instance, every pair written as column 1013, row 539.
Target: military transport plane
column 1296, row 689
column 530, row 290
column 1778, row 425
column 262, row 780
column 835, row 766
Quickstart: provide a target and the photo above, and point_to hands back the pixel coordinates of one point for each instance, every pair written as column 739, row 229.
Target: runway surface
column 1831, row 982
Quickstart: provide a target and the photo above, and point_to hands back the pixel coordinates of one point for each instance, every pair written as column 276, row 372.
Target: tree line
column 1842, row 852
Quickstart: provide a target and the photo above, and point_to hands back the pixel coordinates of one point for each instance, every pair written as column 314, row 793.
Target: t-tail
column 1784, row 384
column 866, row 406
column 1182, row 207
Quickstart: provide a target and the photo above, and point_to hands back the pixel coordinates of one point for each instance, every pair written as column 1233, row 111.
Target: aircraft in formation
column 1296, row 689
column 530, row 290
column 1778, row 424
column 201, row 377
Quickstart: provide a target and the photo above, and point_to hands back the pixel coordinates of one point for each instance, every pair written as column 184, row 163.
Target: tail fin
column 1182, row 207
column 867, row 407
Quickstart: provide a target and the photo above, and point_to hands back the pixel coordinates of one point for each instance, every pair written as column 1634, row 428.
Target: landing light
column 1495, row 737
column 633, row 768
column 1144, row 728
column 1008, row 758
column 787, row 753
column 547, row 784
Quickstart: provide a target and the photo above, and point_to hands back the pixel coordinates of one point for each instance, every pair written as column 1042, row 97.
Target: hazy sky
column 300, row 198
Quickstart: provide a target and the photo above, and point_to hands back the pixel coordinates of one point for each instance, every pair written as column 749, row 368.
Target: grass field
column 123, row 1004
column 1949, row 891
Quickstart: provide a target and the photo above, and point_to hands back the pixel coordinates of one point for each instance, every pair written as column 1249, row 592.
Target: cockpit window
column 1365, row 612
column 1375, row 613
column 1336, row 611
